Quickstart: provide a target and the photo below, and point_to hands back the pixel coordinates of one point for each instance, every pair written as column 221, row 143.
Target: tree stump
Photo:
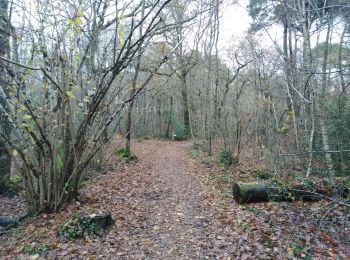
column 93, row 224
column 102, row 220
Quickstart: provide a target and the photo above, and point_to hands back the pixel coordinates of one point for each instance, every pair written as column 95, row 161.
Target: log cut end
column 250, row 192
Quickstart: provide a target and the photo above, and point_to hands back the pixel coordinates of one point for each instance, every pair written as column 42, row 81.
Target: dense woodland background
column 73, row 74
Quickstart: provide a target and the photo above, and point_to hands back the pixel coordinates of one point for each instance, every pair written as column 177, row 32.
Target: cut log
column 7, row 221
column 260, row 192
column 250, row 192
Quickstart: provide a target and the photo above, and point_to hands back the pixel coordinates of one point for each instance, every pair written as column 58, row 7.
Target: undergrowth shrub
column 227, row 159
column 123, row 152
column 180, row 134
column 263, row 174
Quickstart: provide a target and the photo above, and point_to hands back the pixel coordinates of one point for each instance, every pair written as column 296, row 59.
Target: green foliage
column 227, row 159
column 79, row 227
column 180, row 134
column 36, row 249
column 286, row 123
column 264, row 174
column 280, row 190
column 299, row 250
column 333, row 51
column 123, row 152
column 264, row 13
column 307, row 183
column 194, row 150
column 59, row 156
column 5, row 169
column 14, row 183
column 346, row 183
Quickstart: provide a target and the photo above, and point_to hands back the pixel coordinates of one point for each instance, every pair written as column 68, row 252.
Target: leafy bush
column 227, row 159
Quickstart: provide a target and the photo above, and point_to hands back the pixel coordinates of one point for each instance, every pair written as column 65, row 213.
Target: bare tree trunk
column 137, row 68
column 311, row 142
column 186, row 112
column 5, row 157
column 321, row 108
column 287, row 67
column 340, row 58
column 170, row 118
column 216, row 91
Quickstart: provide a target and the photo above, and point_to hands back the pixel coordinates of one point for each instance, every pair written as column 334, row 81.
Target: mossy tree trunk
column 262, row 192
column 5, row 157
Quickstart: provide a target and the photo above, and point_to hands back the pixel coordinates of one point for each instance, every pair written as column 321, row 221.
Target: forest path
column 168, row 206
column 168, row 213
column 162, row 206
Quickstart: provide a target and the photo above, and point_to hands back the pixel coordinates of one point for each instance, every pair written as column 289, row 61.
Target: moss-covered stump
column 94, row 224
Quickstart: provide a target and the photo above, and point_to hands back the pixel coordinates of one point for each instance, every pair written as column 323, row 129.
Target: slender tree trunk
column 170, row 118
column 216, row 91
column 134, row 85
column 311, row 141
column 287, row 69
column 321, row 108
column 5, row 157
column 186, row 112
column 340, row 59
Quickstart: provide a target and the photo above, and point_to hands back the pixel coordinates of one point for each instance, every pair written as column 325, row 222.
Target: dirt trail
column 168, row 206
column 161, row 207
column 174, row 220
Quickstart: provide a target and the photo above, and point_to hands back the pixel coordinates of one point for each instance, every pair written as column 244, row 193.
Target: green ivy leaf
column 80, row 13
column 70, row 95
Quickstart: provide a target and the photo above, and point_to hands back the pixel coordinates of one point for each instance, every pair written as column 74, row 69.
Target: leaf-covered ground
column 171, row 204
